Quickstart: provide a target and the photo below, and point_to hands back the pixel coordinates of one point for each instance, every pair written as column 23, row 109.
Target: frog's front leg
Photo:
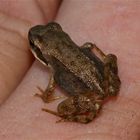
column 48, row 95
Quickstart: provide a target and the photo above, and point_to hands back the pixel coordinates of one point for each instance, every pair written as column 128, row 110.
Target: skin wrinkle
column 4, row 24
column 7, row 58
column 23, row 8
column 16, row 32
column 13, row 44
column 18, row 24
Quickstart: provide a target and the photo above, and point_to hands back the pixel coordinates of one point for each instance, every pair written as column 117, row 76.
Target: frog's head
column 35, row 37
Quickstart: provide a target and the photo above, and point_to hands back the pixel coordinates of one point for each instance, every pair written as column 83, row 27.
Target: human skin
column 112, row 25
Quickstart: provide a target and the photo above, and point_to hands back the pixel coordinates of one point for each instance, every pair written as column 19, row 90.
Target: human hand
column 113, row 26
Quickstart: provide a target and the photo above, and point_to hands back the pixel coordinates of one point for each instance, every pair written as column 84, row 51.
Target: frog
column 85, row 73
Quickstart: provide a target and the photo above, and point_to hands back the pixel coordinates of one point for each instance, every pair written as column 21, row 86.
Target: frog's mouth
column 37, row 52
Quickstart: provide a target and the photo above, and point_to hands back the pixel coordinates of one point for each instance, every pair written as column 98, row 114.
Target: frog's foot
column 47, row 96
column 56, row 114
column 50, row 111
column 81, row 118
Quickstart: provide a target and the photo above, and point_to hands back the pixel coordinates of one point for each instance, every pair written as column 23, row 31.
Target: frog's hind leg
column 92, row 46
column 111, row 79
column 48, row 95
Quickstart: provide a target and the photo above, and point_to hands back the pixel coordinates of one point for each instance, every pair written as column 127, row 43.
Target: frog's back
column 78, row 63
column 67, row 80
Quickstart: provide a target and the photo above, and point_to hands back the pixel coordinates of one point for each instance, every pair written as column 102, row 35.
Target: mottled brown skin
column 86, row 78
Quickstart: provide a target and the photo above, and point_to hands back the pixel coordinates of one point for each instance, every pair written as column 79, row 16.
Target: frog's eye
column 37, row 53
column 54, row 26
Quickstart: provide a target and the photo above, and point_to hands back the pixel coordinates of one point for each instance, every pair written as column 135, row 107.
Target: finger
column 23, row 109
column 15, row 57
column 35, row 11
column 49, row 8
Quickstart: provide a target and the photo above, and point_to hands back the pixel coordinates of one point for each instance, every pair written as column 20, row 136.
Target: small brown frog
column 87, row 78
